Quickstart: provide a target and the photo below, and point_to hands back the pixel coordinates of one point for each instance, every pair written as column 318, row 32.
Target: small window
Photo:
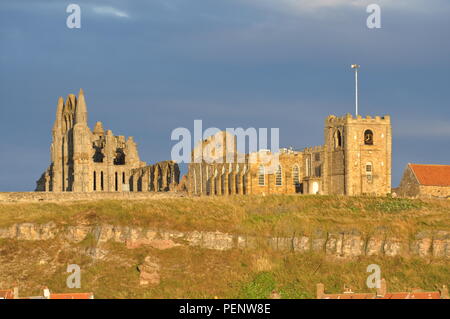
column 369, row 172
column 317, row 157
column 368, row 137
column 261, row 176
column 279, row 176
column 295, row 175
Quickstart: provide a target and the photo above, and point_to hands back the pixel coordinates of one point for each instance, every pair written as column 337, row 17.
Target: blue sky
column 231, row 63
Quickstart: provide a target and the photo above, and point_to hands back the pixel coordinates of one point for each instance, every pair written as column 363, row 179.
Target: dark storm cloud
column 148, row 67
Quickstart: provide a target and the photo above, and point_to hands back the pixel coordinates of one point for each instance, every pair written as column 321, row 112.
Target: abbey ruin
column 354, row 159
column 98, row 161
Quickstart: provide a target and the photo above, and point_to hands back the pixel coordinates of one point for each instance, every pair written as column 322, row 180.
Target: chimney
column 444, row 292
column 46, row 293
column 382, row 291
column 16, row 292
column 320, row 291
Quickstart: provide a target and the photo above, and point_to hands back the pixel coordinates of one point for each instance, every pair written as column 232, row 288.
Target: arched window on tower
column 261, row 176
column 368, row 137
column 337, row 139
column 279, row 176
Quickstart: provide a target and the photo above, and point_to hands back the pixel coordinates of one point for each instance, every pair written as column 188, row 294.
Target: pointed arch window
column 337, row 139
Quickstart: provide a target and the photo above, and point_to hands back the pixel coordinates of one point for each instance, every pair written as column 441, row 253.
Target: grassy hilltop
column 190, row 272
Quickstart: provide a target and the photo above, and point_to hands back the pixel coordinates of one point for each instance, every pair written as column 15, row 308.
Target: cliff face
column 345, row 244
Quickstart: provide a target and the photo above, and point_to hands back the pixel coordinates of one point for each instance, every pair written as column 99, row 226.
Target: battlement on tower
column 350, row 119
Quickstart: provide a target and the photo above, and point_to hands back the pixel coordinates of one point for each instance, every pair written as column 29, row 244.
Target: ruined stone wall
column 83, row 160
column 28, row 197
column 159, row 177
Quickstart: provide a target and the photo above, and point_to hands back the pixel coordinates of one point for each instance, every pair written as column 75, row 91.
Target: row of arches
column 98, row 157
column 157, row 177
column 98, row 181
column 219, row 180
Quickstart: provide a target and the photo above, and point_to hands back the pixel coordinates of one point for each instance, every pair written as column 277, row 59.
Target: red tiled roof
column 391, row 295
column 431, row 175
column 81, row 295
column 413, row 295
column 350, row 296
column 7, row 294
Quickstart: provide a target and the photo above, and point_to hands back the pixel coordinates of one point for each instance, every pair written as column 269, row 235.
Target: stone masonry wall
column 72, row 196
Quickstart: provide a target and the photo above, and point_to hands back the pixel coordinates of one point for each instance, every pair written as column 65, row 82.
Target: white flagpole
column 356, row 67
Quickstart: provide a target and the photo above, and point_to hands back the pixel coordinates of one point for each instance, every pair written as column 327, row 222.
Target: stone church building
column 354, row 159
column 98, row 161
column 425, row 180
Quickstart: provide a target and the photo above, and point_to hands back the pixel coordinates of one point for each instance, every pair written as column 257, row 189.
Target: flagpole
column 356, row 67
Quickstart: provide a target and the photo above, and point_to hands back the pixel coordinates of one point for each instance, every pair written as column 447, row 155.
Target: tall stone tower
column 358, row 153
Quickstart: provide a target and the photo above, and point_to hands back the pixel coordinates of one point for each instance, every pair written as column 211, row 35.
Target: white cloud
column 111, row 12
column 299, row 6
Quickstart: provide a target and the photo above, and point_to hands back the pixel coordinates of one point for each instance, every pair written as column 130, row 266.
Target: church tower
column 358, row 153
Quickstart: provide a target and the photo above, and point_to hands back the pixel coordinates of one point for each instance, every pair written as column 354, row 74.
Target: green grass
column 254, row 215
column 188, row 272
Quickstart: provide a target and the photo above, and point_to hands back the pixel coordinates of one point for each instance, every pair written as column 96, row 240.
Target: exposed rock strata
column 339, row 244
